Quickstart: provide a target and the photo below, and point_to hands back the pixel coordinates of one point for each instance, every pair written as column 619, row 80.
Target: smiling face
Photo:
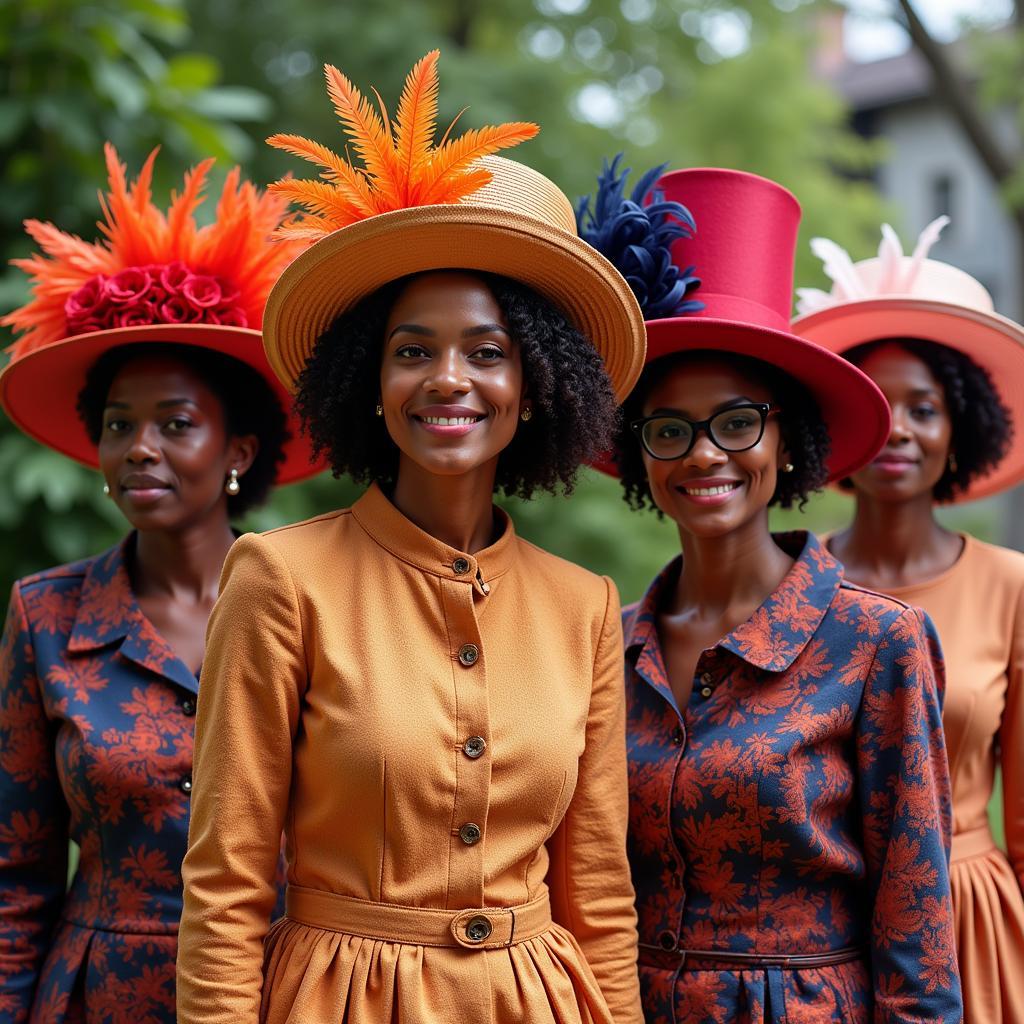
column 451, row 376
column 917, row 453
column 709, row 492
column 164, row 449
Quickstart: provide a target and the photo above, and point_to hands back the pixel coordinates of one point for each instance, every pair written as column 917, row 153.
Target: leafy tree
column 690, row 82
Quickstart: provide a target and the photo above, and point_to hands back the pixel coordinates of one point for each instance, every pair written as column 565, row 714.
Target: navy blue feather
column 638, row 238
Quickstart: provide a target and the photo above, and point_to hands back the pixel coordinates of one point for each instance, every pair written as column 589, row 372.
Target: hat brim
column 994, row 342
column 39, row 391
column 855, row 412
column 333, row 275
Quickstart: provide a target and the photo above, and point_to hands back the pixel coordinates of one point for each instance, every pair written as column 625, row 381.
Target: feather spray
column 400, row 165
column 636, row 235
column 174, row 270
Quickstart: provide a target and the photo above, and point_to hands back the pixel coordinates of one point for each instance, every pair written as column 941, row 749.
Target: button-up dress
column 441, row 734
column 798, row 804
column 96, row 724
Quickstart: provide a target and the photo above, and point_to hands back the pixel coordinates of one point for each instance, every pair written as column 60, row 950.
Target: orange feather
column 401, row 166
column 135, row 233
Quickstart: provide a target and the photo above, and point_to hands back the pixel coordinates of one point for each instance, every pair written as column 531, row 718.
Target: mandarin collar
column 389, row 528
column 776, row 634
column 108, row 614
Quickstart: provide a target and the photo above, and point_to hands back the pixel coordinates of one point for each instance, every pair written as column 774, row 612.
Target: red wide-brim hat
column 39, row 391
column 743, row 252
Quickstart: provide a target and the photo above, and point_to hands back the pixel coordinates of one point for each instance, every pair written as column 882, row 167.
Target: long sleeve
column 33, row 821
column 254, row 676
column 1011, row 742
column 905, row 797
column 591, row 891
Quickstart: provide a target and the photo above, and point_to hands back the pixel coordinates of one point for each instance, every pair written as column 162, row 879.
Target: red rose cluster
column 157, row 294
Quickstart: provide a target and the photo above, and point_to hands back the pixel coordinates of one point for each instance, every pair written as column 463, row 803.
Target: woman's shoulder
column 868, row 611
column 995, row 562
column 562, row 576
column 300, row 540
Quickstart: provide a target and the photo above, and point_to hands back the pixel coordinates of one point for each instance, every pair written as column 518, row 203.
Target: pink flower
column 202, row 292
column 88, row 301
column 85, row 325
column 128, row 285
column 173, row 276
column 228, row 292
column 137, row 315
column 233, row 316
column 154, row 297
column 176, row 310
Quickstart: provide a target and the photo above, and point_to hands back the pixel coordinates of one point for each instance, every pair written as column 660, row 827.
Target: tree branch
column 955, row 93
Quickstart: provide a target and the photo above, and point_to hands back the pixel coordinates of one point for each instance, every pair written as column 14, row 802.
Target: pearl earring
column 788, row 467
column 232, row 487
column 379, row 410
column 527, row 414
column 106, row 490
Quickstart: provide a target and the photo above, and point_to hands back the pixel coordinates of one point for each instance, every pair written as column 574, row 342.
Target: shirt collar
column 108, row 614
column 375, row 513
column 775, row 635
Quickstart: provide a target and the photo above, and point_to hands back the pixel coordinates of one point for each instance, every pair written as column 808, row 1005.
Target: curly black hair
column 574, row 415
column 803, row 429
column 250, row 407
column 982, row 424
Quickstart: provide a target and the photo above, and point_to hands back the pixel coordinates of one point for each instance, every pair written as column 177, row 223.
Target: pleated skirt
column 989, row 912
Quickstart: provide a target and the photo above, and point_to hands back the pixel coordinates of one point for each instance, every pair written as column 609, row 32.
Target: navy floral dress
column 799, row 804
column 96, row 726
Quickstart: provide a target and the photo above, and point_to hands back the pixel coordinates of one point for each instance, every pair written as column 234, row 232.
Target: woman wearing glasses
column 789, row 794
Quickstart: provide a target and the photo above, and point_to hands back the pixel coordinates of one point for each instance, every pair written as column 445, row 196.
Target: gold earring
column 379, row 410
column 232, row 487
column 527, row 414
column 952, row 462
column 788, row 467
column 106, row 490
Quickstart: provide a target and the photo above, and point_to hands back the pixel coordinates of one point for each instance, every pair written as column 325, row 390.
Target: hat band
column 737, row 308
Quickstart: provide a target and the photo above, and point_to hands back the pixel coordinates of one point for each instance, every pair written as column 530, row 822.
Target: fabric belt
column 474, row 928
column 674, row 959
column 972, row 843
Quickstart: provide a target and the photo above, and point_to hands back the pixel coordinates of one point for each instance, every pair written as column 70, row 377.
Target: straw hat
column 741, row 247
column 413, row 207
column 154, row 278
column 898, row 296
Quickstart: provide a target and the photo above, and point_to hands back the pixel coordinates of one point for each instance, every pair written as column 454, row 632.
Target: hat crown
column 516, row 188
column 934, row 280
column 745, row 243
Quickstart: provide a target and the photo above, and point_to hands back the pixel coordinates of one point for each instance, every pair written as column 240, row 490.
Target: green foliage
column 691, row 82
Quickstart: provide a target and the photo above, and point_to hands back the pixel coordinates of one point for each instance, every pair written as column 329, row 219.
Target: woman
column 429, row 706
column 99, row 659
column 788, row 787
column 951, row 370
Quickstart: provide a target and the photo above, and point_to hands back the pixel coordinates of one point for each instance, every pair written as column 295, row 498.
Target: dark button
column 667, row 940
column 186, row 784
column 468, row 654
column 706, row 692
column 188, row 707
column 478, row 929
column 677, row 736
column 461, row 566
column 470, row 833
column 705, row 678
column 474, row 747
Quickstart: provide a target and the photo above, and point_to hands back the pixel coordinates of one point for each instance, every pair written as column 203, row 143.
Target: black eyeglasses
column 732, row 430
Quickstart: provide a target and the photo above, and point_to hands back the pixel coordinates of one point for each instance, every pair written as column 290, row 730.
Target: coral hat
column 155, row 277
column 742, row 251
column 415, row 207
column 897, row 296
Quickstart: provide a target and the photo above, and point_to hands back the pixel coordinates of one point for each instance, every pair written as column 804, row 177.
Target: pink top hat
column 743, row 252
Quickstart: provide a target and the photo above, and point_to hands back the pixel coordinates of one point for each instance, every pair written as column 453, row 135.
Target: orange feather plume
column 401, row 166
column 236, row 251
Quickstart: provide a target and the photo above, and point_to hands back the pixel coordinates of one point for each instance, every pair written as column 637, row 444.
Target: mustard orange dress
column 978, row 608
column 441, row 736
